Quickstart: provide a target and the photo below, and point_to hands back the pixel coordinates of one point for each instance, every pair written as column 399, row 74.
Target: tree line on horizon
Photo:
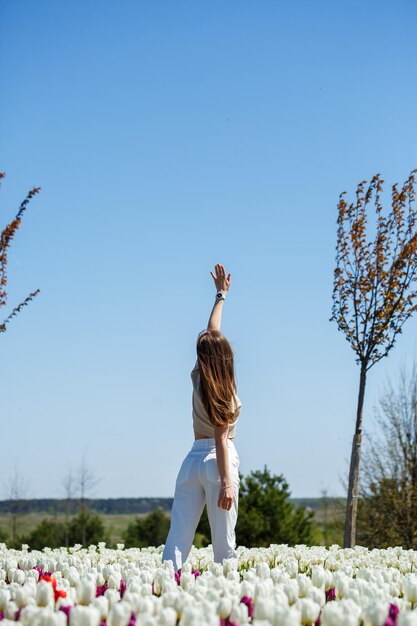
column 266, row 515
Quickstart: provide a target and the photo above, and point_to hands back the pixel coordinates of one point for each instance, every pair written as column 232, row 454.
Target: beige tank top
column 201, row 420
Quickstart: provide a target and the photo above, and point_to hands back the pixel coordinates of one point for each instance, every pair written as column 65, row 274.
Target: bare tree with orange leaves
column 374, row 292
column 6, row 238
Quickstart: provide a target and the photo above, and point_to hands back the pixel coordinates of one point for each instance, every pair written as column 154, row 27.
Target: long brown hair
column 217, row 377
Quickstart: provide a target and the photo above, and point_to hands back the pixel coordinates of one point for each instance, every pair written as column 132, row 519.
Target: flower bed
column 278, row 586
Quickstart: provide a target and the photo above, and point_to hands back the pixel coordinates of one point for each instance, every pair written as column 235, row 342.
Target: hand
column 226, row 496
column 222, row 281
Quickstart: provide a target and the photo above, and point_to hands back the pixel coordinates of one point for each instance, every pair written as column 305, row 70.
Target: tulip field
column 278, row 586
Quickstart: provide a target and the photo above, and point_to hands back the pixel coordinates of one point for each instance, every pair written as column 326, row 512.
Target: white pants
column 198, row 482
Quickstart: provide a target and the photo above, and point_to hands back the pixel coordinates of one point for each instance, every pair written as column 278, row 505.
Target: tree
column 373, row 293
column 6, row 237
column 265, row 514
column 86, row 481
column 68, row 484
column 387, row 511
column 49, row 533
column 87, row 527
column 16, row 492
column 149, row 530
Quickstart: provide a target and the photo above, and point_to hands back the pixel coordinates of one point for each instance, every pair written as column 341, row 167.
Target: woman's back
column 201, row 420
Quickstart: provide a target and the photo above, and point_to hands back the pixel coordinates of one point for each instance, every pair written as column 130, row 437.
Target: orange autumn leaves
column 374, row 289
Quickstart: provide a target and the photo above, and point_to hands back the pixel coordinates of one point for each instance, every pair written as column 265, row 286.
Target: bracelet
column 227, row 486
column 221, row 295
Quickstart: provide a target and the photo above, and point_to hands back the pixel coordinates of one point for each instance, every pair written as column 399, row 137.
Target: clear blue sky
column 167, row 137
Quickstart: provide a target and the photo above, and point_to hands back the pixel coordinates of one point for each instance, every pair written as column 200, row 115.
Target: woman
column 210, row 471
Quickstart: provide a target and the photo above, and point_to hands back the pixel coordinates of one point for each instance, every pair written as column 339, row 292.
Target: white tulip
column 84, row 616
column 286, row 616
column 113, row 582
column 187, row 581
column 10, row 609
column 229, row 565
column 119, row 615
column 146, row 590
column 86, row 591
column 291, row 590
column 410, row 587
column 263, row 588
column 4, row 598
column 134, row 599
column 264, row 609
column 112, row 595
column 27, row 615
column 279, row 596
column 292, row 567
column 317, row 576
column 102, row 604
column 224, row 607
column 239, row 614
column 168, row 617
column 304, row 584
column 309, row 609
column 44, row 594
column 341, row 584
column 73, row 576
column 247, row 589
column 318, row 595
column 18, row 576
column 168, row 599
column 22, row 596
column 375, row 613
column 57, row 618
column 216, row 569
column 407, row 619
column 145, row 606
column 233, row 576
column 328, row 579
column 331, row 615
column 145, row 620
column 263, row 570
column 212, row 594
column 278, row 576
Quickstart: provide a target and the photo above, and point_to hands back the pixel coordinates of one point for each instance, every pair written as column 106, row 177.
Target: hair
column 217, row 377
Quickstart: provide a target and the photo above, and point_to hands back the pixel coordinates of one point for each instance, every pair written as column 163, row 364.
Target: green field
column 328, row 518
column 116, row 524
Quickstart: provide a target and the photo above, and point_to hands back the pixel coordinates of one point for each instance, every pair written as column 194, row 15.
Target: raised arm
column 222, row 283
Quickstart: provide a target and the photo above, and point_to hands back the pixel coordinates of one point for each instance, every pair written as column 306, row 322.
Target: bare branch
column 6, row 237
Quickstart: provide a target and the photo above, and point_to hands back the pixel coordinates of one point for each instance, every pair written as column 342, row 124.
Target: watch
column 221, row 295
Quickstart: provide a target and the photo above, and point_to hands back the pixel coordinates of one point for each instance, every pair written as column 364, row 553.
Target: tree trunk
column 352, row 497
column 67, row 505
column 14, row 526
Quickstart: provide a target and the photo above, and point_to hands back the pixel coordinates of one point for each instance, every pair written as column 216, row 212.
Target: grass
column 329, row 522
column 115, row 524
